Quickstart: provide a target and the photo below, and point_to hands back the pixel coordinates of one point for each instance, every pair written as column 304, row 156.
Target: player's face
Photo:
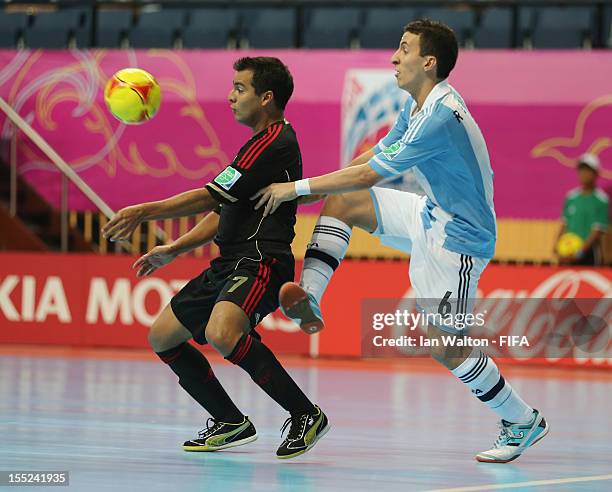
column 586, row 175
column 244, row 102
column 410, row 66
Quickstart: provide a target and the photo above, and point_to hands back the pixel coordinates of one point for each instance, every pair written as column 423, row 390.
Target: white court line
column 534, row 483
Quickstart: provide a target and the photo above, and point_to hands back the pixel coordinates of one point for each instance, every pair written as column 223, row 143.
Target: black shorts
column 252, row 285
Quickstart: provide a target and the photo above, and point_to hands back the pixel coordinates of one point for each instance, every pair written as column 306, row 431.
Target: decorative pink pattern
column 537, row 117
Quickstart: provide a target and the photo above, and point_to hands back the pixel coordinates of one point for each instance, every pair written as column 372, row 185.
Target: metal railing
column 68, row 173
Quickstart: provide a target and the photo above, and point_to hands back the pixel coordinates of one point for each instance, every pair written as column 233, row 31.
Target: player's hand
column 154, row 259
column 272, row 196
column 123, row 223
column 308, row 199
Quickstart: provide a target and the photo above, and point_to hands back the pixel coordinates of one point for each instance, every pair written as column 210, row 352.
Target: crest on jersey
column 393, row 150
column 228, row 177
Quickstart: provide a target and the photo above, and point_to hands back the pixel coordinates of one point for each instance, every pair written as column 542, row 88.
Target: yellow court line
column 534, row 483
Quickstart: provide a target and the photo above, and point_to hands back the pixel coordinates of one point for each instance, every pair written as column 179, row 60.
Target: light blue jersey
column 445, row 148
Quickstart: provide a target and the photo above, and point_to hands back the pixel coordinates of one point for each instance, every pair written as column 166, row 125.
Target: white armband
column 302, row 187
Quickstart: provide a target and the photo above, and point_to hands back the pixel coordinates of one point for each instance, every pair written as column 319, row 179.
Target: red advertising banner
column 358, row 281
column 96, row 301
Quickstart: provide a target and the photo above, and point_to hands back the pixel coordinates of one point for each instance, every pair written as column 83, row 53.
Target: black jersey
column 270, row 156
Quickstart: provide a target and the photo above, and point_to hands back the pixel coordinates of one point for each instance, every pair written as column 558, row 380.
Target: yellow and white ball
column 132, row 95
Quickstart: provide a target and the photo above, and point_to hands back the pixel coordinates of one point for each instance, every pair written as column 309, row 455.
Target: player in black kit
column 224, row 303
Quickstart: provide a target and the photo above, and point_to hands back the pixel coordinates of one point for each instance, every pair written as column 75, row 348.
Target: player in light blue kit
column 450, row 232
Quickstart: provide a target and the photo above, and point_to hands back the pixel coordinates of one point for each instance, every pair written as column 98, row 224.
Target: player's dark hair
column 436, row 39
column 269, row 74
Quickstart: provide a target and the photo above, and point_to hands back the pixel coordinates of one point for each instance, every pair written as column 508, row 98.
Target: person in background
column 585, row 213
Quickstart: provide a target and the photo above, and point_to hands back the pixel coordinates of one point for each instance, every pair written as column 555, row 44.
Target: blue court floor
column 117, row 424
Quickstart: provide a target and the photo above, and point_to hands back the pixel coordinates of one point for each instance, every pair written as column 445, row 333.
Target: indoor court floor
column 116, row 421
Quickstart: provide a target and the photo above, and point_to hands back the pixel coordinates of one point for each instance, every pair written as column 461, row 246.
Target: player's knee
column 354, row 209
column 162, row 337
column 214, row 335
column 223, row 337
column 156, row 340
column 338, row 206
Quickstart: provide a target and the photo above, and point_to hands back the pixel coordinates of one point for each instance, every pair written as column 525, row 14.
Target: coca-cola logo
column 574, row 283
column 568, row 314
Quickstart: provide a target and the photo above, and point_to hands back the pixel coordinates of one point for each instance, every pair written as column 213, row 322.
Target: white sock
column 326, row 249
column 482, row 376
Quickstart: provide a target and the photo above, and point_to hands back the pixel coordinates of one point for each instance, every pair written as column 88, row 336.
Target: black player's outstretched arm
column 201, row 234
column 192, row 202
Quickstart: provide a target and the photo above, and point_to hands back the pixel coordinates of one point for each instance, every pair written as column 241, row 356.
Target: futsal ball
column 569, row 244
column 132, row 96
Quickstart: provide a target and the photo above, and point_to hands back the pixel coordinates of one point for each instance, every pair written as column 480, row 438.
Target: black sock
column 265, row 369
column 197, row 378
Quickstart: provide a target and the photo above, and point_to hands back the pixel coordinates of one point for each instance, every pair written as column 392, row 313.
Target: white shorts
column 444, row 282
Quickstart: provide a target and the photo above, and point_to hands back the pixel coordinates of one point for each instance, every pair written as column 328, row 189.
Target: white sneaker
column 514, row 439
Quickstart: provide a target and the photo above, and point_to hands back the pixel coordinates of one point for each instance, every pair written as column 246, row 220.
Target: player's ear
column 431, row 63
column 267, row 98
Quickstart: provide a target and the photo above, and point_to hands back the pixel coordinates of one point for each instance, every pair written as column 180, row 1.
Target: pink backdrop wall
column 538, row 111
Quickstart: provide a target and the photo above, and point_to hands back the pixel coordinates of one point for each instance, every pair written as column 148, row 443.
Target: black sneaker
column 305, row 431
column 221, row 435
